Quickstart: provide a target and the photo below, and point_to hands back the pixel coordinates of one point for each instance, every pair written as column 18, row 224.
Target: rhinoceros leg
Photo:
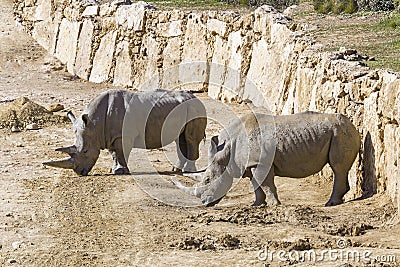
column 340, row 188
column 342, row 153
column 193, row 135
column 184, row 162
column 120, row 167
column 266, row 192
column 180, row 149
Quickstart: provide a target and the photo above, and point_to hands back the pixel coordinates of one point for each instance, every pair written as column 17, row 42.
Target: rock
column 121, row 2
column 170, row 29
column 11, row 261
column 90, row 11
column 55, row 107
column 216, row 27
column 347, row 52
column 16, row 244
column 15, row 129
column 67, row 43
column 83, row 58
column 32, row 126
column 121, row 76
column 103, row 59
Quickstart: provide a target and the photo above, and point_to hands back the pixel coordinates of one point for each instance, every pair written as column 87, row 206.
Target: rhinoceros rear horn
column 71, row 116
column 70, row 150
column 64, row 163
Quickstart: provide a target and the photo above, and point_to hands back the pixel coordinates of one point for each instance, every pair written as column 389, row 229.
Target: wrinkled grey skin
column 262, row 146
column 102, row 126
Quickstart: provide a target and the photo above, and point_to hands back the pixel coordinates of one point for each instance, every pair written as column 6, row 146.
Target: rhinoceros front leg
column 182, row 148
column 181, row 159
column 266, row 193
column 120, row 167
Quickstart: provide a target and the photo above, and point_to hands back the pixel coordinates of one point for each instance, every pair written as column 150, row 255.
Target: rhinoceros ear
column 85, row 119
column 71, row 116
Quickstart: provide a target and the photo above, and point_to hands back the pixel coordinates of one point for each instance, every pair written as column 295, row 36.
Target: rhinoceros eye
column 85, row 151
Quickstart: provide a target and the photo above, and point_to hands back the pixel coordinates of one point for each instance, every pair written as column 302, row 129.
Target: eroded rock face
column 261, row 57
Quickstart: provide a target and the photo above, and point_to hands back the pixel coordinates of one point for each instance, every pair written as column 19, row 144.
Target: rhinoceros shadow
column 368, row 179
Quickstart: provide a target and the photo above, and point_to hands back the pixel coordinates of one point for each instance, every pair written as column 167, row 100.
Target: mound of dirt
column 22, row 111
column 208, row 242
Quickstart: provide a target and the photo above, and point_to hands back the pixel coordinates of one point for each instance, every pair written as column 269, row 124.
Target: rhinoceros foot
column 333, row 202
column 121, row 171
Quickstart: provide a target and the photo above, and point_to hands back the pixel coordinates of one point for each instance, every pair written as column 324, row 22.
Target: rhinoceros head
column 216, row 180
column 85, row 152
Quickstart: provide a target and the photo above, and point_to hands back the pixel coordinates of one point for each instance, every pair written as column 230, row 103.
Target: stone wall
column 234, row 57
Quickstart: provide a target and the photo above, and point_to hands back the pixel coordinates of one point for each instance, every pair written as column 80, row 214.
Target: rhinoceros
column 261, row 146
column 120, row 120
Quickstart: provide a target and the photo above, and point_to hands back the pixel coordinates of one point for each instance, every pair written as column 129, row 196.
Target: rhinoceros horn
column 71, row 116
column 196, row 191
column 70, row 150
column 64, row 163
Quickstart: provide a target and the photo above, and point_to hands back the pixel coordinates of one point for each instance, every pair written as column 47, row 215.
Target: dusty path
column 51, row 217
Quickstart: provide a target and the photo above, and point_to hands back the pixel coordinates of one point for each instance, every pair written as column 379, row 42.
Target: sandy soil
column 52, row 217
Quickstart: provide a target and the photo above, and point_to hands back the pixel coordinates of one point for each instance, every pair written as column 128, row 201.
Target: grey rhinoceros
column 261, row 146
column 119, row 120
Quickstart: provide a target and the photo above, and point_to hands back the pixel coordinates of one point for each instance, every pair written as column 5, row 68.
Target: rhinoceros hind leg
column 340, row 188
column 266, row 192
column 121, row 170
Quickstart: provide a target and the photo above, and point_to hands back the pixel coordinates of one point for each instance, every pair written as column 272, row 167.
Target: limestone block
column 372, row 142
column 256, row 86
column 390, row 159
column 231, row 87
column 107, row 10
column 170, row 29
column 398, row 169
column 133, row 16
column 171, row 60
column 123, row 71
column 103, row 58
column 90, row 11
column 145, row 69
column 83, row 56
column 216, row 27
column 29, row 3
column 389, row 95
column 265, row 16
column 193, row 70
column 29, row 13
column 218, row 68
column 67, row 43
column 279, row 35
column 43, row 10
column 300, row 96
column 45, row 33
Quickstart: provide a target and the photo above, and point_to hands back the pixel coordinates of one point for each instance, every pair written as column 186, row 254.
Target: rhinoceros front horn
column 196, row 191
column 69, row 150
column 64, row 163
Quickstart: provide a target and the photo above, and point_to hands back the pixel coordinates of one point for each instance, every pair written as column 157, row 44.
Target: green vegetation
column 376, row 35
column 335, row 6
column 351, row 6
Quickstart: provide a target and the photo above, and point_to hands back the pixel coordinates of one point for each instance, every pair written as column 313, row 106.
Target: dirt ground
column 52, row 217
